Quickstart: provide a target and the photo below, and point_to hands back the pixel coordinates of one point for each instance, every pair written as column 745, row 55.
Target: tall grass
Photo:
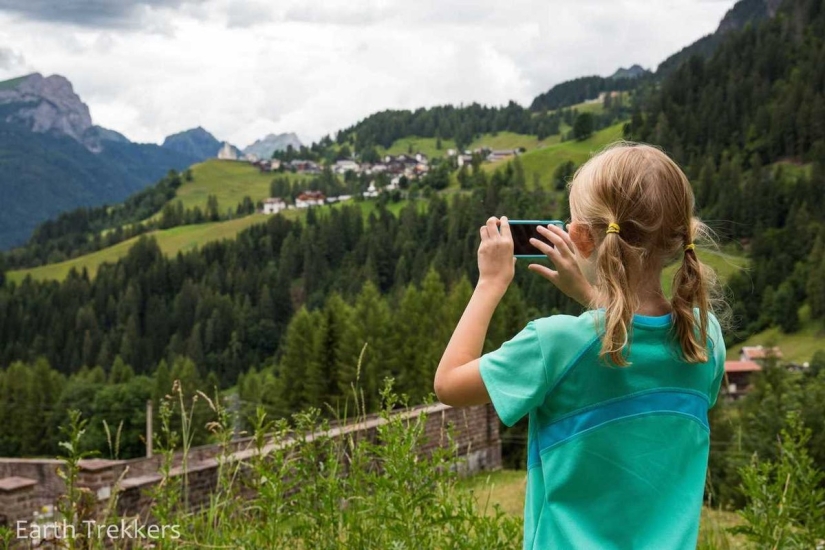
column 299, row 487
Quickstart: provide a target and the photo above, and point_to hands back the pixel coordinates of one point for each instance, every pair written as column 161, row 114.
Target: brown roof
column 741, row 366
column 307, row 195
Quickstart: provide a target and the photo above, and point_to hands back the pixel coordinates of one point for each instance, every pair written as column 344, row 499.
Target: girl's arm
column 457, row 380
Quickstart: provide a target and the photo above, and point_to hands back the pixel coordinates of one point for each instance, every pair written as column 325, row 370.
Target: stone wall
column 29, row 485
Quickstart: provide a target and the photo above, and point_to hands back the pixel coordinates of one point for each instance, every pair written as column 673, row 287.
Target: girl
column 617, row 398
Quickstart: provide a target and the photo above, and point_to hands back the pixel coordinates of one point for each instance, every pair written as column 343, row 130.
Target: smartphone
column 523, row 231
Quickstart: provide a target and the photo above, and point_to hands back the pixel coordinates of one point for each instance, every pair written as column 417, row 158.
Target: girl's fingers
column 483, row 231
column 544, row 271
column 566, row 237
column 545, row 248
column 492, row 226
column 505, row 227
column 555, row 238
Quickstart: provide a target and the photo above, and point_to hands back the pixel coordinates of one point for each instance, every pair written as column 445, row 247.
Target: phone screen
column 523, row 232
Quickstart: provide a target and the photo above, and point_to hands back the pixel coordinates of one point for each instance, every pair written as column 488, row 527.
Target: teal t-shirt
column 617, row 456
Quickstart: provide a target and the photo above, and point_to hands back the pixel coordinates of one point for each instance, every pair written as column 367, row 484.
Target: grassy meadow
column 499, row 140
column 539, row 164
column 171, row 241
column 176, row 239
column 797, row 347
column 229, row 181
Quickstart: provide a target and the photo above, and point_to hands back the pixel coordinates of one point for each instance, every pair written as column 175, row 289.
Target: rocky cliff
column 49, row 104
column 264, row 147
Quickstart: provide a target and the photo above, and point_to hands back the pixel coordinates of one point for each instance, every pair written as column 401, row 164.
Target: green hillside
column 797, row 347
column 723, row 264
column 229, row 181
column 174, row 240
column 171, row 241
column 543, row 162
column 510, row 140
column 416, row 144
column 500, row 140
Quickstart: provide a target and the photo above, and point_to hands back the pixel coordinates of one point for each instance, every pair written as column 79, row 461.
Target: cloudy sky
column 243, row 69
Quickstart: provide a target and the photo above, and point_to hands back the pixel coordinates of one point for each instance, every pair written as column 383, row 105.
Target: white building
column 274, row 205
column 464, row 159
column 310, row 198
column 227, row 152
column 371, row 191
column 344, row 166
column 501, row 155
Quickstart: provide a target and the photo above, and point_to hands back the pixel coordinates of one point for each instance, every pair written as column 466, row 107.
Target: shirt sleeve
column 515, row 375
column 719, row 354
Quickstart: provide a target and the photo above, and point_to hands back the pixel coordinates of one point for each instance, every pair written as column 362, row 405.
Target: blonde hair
column 644, row 191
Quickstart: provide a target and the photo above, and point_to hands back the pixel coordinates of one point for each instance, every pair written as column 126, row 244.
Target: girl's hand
column 568, row 276
column 496, row 263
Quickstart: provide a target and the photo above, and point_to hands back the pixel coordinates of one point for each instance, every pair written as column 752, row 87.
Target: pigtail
column 614, row 268
column 691, row 288
column 638, row 205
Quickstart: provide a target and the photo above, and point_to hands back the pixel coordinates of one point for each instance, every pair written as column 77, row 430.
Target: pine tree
column 816, row 281
column 298, row 368
column 121, row 372
column 371, row 326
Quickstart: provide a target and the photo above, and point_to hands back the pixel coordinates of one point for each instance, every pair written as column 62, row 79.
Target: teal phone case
column 557, row 223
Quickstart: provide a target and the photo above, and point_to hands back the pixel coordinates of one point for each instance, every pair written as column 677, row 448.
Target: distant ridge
column 633, row 72
column 196, row 142
column 53, row 158
column 742, row 13
column 263, row 148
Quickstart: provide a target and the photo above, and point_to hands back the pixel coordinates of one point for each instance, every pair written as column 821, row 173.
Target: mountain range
column 53, row 158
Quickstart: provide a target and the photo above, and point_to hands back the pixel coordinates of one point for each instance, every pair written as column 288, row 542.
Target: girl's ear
column 581, row 237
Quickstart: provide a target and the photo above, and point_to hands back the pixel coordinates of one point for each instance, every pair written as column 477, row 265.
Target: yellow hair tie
column 612, row 228
column 691, row 246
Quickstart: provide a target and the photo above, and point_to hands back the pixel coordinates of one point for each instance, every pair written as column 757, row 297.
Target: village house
column 267, row 165
column 305, row 166
column 451, row 152
column 274, row 205
column 376, row 169
column 310, row 198
column 738, row 376
column 501, row 155
column 465, row 159
column 371, row 191
column 339, row 198
column 343, row 166
column 759, row 354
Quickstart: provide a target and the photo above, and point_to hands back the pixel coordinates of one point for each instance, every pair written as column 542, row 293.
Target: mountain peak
column 48, row 104
column 265, row 147
column 633, row 72
column 196, row 142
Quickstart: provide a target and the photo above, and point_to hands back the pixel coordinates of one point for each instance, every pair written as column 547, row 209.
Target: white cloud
column 244, row 69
